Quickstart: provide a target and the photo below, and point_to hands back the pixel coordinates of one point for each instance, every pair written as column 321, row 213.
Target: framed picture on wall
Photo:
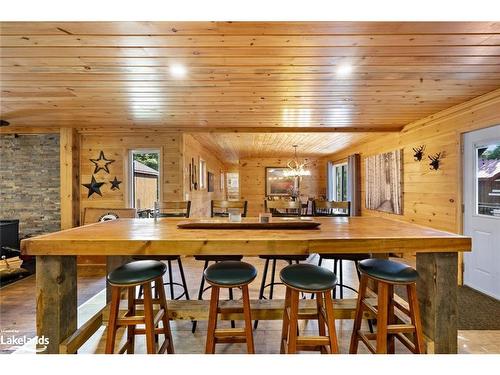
column 211, row 181
column 277, row 184
column 384, row 182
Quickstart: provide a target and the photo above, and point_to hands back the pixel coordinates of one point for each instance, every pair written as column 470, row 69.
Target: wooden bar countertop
column 147, row 237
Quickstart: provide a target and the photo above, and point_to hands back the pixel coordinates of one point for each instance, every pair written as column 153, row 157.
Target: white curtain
column 329, row 181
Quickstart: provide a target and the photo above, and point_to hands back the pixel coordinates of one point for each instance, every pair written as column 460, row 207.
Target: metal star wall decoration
column 115, row 184
column 101, row 163
column 94, row 187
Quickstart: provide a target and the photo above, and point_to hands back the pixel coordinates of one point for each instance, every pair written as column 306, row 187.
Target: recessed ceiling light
column 178, row 70
column 344, row 70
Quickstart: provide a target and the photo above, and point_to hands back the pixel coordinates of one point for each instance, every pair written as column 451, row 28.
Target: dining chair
column 220, row 208
column 278, row 208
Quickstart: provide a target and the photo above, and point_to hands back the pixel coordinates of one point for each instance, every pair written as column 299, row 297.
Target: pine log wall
column 117, row 147
column 200, row 198
column 431, row 198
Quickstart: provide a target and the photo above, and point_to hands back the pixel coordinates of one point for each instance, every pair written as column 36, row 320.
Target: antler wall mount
column 435, row 160
column 419, row 152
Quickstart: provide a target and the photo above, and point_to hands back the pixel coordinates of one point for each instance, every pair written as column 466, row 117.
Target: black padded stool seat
column 387, row 270
column 346, row 256
column 308, row 277
column 285, row 257
column 136, row 273
column 156, row 257
column 230, row 273
column 218, row 258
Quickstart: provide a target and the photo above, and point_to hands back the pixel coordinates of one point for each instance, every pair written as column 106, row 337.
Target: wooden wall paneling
column 432, row 198
column 117, row 147
column 200, row 198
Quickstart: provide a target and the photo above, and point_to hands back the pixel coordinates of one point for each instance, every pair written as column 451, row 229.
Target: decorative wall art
column 101, row 163
column 435, row 160
column 277, row 184
column 211, row 182
column 94, row 187
column 194, row 175
column 115, row 184
column 419, row 152
column 384, row 182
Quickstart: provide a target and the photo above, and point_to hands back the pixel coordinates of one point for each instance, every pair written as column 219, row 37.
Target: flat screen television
column 9, row 237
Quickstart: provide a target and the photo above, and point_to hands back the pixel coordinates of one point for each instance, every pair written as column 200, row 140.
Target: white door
column 482, row 210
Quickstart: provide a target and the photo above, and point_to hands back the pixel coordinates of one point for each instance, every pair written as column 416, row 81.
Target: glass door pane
column 488, row 180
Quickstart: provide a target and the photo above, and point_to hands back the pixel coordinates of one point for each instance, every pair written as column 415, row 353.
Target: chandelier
column 296, row 168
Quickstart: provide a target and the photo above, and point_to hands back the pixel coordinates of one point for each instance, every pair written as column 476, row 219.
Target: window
column 337, row 182
column 203, row 174
column 488, row 180
column 144, row 177
column 232, row 183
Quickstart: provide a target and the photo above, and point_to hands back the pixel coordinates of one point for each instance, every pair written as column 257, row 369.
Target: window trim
column 130, row 171
column 332, row 179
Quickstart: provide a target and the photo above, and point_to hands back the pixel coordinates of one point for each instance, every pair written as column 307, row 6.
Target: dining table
column 56, row 261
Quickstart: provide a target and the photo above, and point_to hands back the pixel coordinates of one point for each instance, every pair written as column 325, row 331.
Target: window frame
column 130, row 170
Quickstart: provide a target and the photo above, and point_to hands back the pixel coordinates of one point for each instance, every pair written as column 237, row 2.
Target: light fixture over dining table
column 296, row 168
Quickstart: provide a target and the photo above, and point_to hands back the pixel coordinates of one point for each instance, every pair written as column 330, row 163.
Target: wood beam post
column 437, row 296
column 69, row 171
column 56, row 299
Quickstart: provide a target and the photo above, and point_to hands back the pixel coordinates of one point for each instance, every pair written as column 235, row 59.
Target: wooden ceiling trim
column 255, row 61
column 225, row 41
column 180, row 52
column 246, row 28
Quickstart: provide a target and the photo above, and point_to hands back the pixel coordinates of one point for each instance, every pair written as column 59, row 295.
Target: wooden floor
column 17, row 312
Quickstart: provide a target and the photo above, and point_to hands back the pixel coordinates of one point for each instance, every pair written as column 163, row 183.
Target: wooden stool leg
column 149, row 319
column 170, row 280
column 248, row 319
column 286, row 323
column 321, row 319
column 294, row 319
column 212, row 320
column 261, row 290
column 353, row 349
column 330, row 321
column 165, row 319
column 113, row 317
column 391, row 319
column 415, row 318
column 131, row 328
column 382, row 316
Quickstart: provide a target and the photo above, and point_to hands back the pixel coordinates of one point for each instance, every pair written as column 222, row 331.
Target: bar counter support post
column 56, row 299
column 437, row 295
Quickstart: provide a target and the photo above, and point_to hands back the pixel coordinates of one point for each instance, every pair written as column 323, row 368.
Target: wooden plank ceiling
column 243, row 76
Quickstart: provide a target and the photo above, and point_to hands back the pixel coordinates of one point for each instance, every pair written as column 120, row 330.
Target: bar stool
column 229, row 274
column 386, row 274
column 311, row 279
column 129, row 276
column 219, row 208
column 171, row 209
column 279, row 208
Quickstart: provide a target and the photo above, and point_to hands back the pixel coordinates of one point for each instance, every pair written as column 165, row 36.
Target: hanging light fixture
column 295, row 167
